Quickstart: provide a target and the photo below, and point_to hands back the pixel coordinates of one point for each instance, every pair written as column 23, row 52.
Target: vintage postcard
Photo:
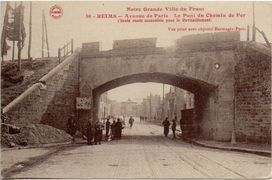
column 136, row 89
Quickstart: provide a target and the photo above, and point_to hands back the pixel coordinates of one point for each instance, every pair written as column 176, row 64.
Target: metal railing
column 264, row 36
column 65, row 50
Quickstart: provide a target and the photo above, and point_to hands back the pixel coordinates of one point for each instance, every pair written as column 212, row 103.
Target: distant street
column 143, row 152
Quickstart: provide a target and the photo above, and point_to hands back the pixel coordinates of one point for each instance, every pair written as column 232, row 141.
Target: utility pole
column 42, row 34
column 13, row 42
column 46, row 35
column 19, row 39
column 253, row 27
column 3, row 37
column 44, row 28
column 233, row 133
column 104, row 115
column 30, row 26
column 163, row 102
column 175, row 103
column 150, row 107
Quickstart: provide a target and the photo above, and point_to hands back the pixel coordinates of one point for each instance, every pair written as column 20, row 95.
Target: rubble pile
column 34, row 134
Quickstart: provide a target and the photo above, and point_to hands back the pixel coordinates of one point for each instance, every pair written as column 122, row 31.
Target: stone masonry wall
column 53, row 105
column 253, row 95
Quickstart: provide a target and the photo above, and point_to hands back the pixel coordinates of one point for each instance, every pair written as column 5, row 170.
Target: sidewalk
column 255, row 148
column 16, row 158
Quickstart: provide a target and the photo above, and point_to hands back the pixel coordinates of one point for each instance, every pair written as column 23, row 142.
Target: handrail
column 58, row 67
column 41, row 83
column 64, row 48
column 264, row 36
column 21, row 97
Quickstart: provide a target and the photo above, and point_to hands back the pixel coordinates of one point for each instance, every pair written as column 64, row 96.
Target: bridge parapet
column 127, row 47
column 208, row 42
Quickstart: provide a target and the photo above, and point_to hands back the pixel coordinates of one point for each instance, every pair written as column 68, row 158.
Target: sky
column 74, row 25
column 137, row 91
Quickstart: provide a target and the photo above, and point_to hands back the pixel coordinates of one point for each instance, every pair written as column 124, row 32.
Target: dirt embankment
column 14, row 83
column 34, row 134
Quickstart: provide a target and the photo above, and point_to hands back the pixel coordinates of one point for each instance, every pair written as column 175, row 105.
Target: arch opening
column 204, row 94
column 186, row 83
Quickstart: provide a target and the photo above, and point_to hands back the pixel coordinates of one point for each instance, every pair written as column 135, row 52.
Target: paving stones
column 140, row 154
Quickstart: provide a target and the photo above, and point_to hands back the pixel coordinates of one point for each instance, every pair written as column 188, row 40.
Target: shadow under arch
column 193, row 85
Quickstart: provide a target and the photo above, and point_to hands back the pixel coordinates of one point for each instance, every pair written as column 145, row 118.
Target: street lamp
column 104, row 115
column 233, row 133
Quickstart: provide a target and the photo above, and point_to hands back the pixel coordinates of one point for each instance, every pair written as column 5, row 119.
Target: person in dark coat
column 89, row 132
column 131, row 120
column 71, row 125
column 107, row 127
column 118, row 129
column 113, row 129
column 98, row 131
column 174, row 126
column 166, row 125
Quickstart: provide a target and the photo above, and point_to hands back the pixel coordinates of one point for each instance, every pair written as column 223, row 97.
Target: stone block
column 189, row 39
column 91, row 46
column 226, row 36
column 134, row 43
column 204, row 38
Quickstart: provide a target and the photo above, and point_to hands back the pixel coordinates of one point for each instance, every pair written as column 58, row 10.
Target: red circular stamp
column 56, row 12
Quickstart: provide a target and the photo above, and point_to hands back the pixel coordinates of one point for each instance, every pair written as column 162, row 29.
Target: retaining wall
column 51, row 101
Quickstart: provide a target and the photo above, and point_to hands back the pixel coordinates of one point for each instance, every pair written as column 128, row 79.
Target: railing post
column 59, row 54
column 247, row 32
column 265, row 38
column 67, row 46
column 72, row 46
column 64, row 50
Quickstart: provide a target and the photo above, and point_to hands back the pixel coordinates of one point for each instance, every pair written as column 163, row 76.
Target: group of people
column 94, row 131
column 113, row 130
column 166, row 125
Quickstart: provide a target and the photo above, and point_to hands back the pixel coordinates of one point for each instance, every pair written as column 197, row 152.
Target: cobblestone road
column 144, row 152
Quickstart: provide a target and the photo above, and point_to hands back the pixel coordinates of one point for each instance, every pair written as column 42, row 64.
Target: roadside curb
column 37, row 146
column 237, row 149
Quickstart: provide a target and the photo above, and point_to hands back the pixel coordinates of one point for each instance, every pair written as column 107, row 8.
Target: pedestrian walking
column 124, row 120
column 71, row 125
column 174, row 126
column 118, row 129
column 98, row 131
column 89, row 132
column 131, row 120
column 113, row 129
column 107, row 127
column 166, row 125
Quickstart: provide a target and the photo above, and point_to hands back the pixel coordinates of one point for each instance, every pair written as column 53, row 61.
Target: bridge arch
column 203, row 91
column 205, row 69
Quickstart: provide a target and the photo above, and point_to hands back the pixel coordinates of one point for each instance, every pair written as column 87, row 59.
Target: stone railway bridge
column 231, row 81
